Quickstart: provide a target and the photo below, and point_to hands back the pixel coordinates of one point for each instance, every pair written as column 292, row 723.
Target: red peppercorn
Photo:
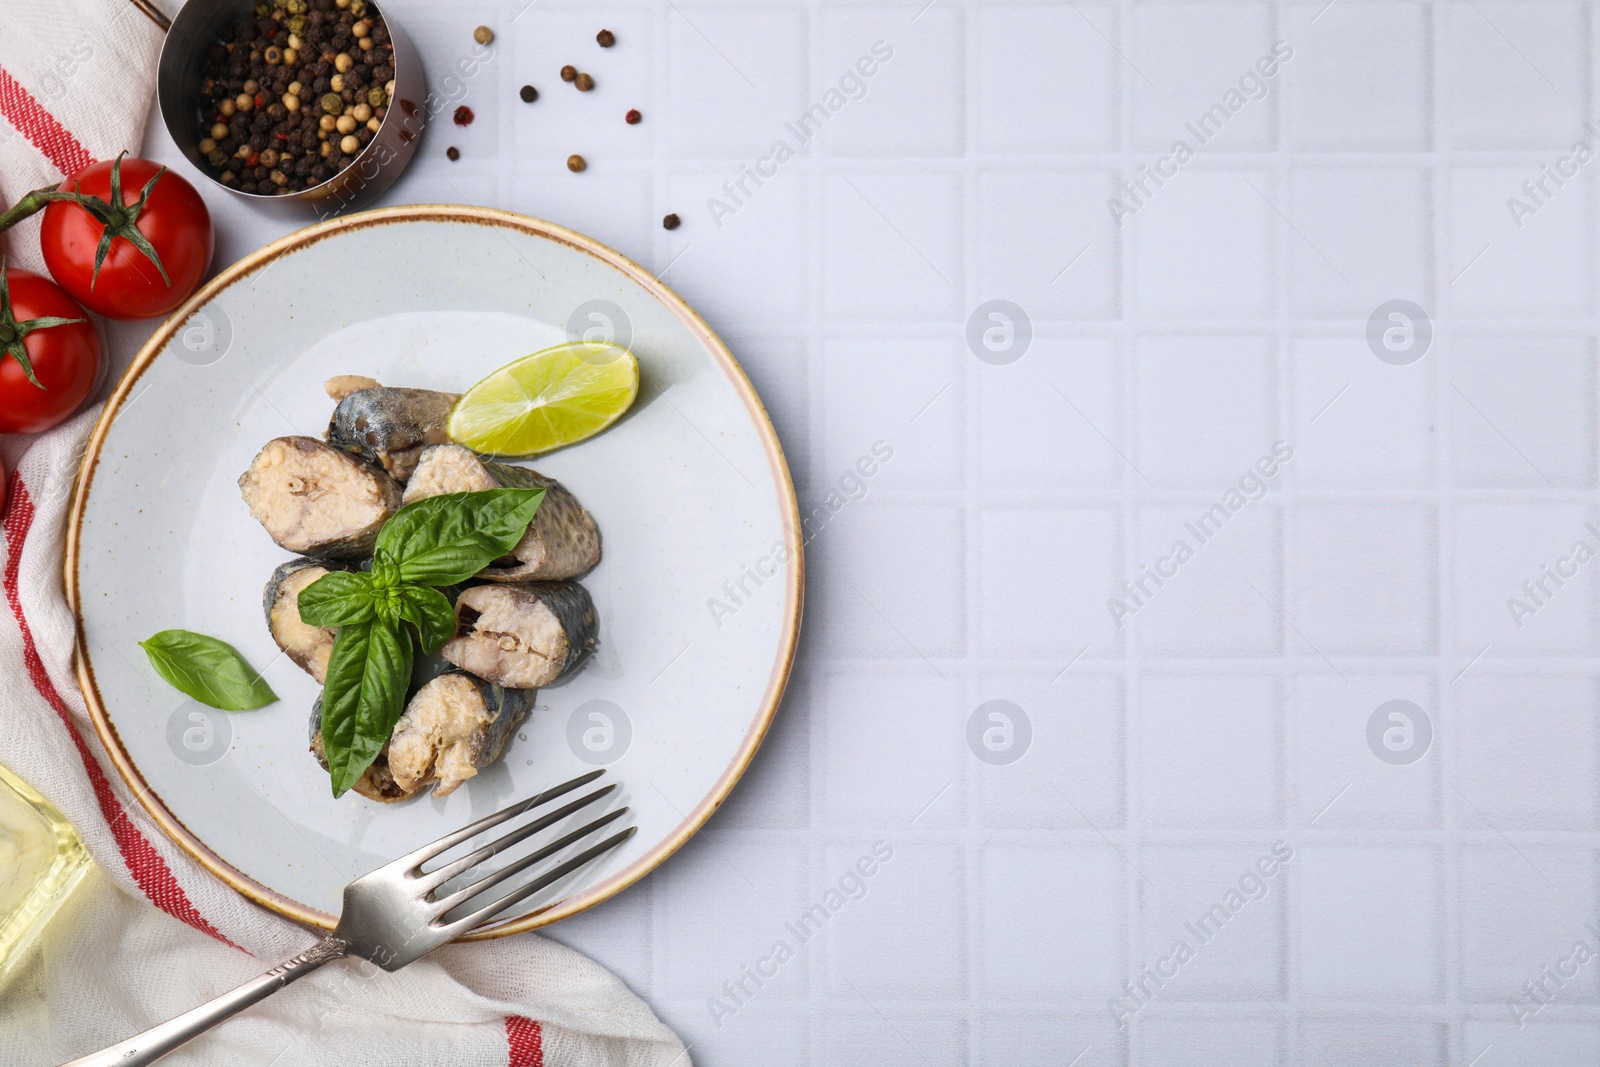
column 463, row 116
column 633, row 116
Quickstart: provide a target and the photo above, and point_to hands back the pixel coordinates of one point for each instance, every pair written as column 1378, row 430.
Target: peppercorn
column 452, row 153
column 671, row 222
column 584, row 83
column 463, row 116
column 528, row 93
column 606, row 38
column 569, row 73
column 349, row 146
column 633, row 117
column 483, row 35
column 576, row 163
column 266, row 88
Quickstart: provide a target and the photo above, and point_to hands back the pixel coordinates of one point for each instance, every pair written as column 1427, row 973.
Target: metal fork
column 393, row 916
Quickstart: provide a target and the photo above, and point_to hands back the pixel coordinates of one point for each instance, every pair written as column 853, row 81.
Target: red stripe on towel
column 146, row 865
column 526, row 1041
column 22, row 110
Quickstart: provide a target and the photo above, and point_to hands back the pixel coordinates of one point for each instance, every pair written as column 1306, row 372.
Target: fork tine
column 561, row 871
column 434, row 879
column 413, row 860
column 466, row 893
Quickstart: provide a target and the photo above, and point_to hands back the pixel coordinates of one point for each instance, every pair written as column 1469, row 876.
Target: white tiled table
column 1228, row 313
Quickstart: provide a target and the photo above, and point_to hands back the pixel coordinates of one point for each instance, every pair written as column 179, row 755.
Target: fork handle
column 162, row 1038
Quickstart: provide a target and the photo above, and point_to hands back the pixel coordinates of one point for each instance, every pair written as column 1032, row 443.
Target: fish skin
column 506, row 708
column 352, row 547
column 391, row 426
column 269, row 599
column 376, row 782
column 562, row 541
column 568, row 601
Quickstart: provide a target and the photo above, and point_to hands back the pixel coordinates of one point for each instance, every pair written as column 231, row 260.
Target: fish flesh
column 390, row 426
column 562, row 541
column 342, row 385
column 522, row 636
column 377, row 782
column 455, row 726
column 316, row 500
column 309, row 646
column 452, row 728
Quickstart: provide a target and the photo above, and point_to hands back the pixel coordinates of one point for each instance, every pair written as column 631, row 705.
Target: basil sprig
column 435, row 542
column 211, row 671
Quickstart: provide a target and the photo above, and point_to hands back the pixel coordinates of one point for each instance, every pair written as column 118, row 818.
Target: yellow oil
column 41, row 862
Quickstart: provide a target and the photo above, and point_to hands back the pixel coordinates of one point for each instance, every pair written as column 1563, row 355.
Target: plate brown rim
column 443, row 213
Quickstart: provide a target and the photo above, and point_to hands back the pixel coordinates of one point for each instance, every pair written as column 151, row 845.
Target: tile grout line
column 1446, row 860
column 808, row 164
column 1134, row 890
column 974, row 963
column 1286, row 516
column 1287, row 687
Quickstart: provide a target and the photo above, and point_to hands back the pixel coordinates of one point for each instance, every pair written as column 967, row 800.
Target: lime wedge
column 553, row 398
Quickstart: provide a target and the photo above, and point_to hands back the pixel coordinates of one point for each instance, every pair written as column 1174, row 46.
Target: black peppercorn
column 671, row 222
column 528, row 93
column 452, row 153
column 276, row 136
column 606, row 38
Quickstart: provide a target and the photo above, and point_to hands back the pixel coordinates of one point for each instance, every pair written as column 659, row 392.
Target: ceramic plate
column 699, row 592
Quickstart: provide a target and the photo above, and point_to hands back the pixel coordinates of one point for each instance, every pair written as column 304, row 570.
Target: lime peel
column 552, row 398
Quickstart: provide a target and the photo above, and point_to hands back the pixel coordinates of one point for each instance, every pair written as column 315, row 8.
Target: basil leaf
column 363, row 698
column 338, row 598
column 207, row 669
column 430, row 612
column 447, row 539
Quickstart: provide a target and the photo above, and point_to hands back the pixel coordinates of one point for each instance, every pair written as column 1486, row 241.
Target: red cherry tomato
column 66, row 359
column 173, row 219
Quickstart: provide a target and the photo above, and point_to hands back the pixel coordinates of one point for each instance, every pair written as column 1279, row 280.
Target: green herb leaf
column 447, row 539
column 211, row 671
column 338, row 598
column 364, row 697
column 430, row 612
